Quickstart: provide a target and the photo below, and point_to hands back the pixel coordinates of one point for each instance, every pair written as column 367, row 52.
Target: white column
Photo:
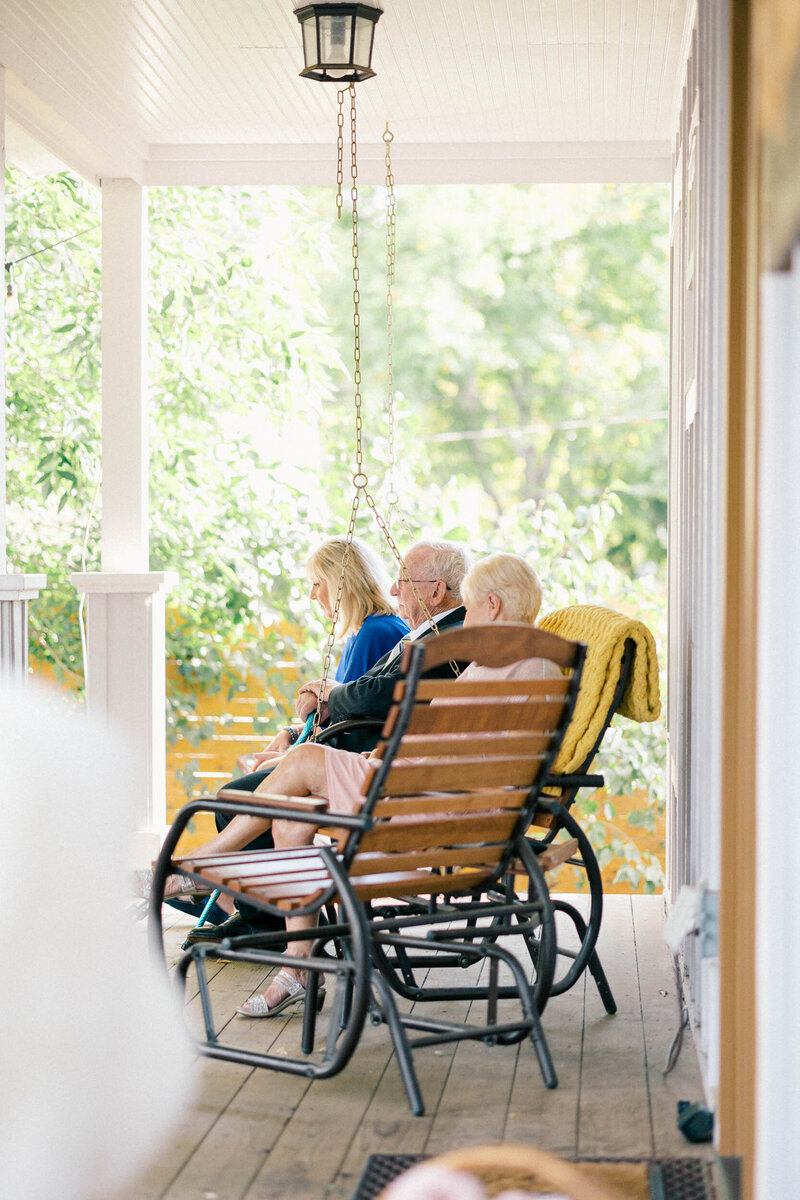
column 3, row 322
column 15, row 590
column 125, row 669
column 125, row 683
column 124, row 351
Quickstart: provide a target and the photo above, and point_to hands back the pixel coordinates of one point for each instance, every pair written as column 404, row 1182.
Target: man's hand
column 307, row 696
column 305, row 702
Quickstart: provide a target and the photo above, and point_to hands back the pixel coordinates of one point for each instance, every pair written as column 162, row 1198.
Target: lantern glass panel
column 335, row 34
column 365, row 31
column 309, row 39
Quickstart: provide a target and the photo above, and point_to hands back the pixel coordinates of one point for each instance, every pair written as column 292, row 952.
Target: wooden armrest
column 555, row 855
column 304, row 803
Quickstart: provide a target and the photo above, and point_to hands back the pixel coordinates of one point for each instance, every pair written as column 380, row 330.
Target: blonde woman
column 368, row 618
column 366, row 615
column 366, row 612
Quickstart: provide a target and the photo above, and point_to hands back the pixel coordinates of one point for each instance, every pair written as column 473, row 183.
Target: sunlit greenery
column 530, row 373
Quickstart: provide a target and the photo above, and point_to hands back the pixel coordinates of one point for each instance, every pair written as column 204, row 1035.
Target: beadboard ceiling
column 208, row 91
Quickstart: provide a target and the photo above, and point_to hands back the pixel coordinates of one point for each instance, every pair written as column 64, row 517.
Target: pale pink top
column 346, row 772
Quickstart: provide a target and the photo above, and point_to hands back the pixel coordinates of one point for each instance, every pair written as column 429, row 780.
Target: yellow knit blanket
column 605, row 632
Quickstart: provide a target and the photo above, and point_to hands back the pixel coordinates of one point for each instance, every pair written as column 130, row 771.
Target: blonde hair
column 512, row 579
column 365, row 591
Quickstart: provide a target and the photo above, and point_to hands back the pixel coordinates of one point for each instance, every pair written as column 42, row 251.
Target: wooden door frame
column 737, row 1091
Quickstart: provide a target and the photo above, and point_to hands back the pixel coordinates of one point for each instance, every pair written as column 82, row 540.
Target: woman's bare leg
column 301, row 774
column 295, row 775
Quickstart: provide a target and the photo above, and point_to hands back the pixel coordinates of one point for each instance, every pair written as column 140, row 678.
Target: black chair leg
column 401, row 1047
column 594, row 964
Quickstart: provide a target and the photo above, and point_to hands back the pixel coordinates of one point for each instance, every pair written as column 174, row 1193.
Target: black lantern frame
column 349, row 26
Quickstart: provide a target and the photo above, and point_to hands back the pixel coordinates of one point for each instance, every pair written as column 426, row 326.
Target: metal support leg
column 401, row 1047
column 594, row 965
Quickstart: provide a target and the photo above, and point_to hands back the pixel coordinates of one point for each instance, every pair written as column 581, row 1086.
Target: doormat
column 672, row 1178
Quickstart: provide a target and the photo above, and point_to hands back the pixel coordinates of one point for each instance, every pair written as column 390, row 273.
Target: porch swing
column 553, row 813
column 312, row 730
column 625, row 648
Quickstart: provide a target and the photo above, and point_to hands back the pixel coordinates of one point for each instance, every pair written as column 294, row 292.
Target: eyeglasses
column 399, row 581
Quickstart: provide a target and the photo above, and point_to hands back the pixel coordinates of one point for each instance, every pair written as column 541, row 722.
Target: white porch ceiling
column 207, row 91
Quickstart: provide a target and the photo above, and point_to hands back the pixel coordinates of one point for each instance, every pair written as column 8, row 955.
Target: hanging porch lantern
column 337, row 41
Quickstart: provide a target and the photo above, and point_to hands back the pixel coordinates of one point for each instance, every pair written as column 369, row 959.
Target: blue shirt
column 376, row 637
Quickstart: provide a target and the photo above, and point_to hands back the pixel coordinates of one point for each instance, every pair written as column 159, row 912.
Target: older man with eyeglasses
column 431, row 581
column 434, row 572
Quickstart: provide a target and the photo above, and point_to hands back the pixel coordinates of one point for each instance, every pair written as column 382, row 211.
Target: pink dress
column 348, row 774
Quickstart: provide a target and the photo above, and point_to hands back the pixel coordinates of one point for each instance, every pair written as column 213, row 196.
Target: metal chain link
column 326, row 665
column 340, row 153
column 391, row 244
column 360, row 480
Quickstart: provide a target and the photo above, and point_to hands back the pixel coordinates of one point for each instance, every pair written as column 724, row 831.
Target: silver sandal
column 257, row 1006
column 142, row 880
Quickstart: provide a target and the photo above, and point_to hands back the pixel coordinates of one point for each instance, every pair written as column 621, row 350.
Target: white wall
column 777, row 818
column 697, row 445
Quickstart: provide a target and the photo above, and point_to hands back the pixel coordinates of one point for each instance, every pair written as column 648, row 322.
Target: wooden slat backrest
column 500, row 644
column 484, row 743
column 457, row 770
column 427, row 689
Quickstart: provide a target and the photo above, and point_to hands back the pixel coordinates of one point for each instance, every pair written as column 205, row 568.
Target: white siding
column 777, row 1166
column 697, row 441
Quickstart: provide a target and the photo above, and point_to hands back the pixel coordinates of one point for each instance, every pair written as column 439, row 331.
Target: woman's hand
column 279, row 745
column 265, row 756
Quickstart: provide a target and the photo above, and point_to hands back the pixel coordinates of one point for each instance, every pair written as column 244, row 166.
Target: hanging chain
column 391, row 244
column 326, row 665
column 360, row 480
column 392, row 497
column 340, row 154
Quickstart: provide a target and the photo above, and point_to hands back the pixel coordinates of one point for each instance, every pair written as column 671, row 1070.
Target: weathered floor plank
column 614, row 1115
column 660, row 1015
column 256, row 1134
column 550, row 1119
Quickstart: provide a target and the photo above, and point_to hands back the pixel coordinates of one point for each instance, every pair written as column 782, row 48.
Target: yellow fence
column 197, row 770
column 211, row 763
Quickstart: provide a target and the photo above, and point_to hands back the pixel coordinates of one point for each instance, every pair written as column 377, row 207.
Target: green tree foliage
column 241, row 364
column 53, row 397
column 530, row 360
column 530, row 336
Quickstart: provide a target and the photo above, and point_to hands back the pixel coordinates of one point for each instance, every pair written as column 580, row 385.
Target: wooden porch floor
column 249, row 1134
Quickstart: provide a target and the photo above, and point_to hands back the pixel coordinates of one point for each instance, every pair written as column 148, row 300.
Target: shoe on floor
column 257, row 1006
column 234, row 926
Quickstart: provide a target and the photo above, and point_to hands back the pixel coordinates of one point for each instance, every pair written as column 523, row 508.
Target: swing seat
column 445, row 815
column 620, row 675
